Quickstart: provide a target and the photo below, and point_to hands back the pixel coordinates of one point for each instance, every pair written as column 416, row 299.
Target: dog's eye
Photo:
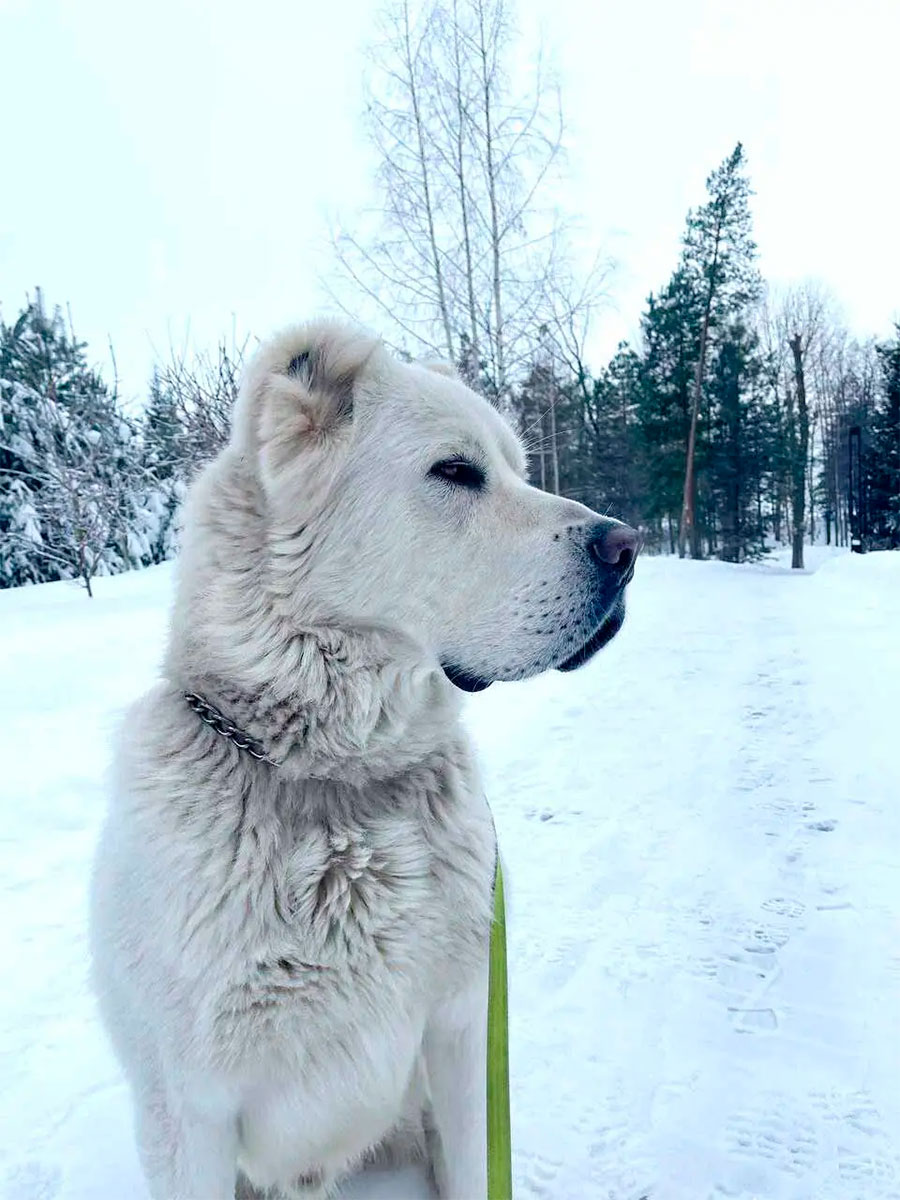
column 460, row 472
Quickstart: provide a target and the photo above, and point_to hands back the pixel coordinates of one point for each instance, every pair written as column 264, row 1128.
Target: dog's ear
column 300, row 389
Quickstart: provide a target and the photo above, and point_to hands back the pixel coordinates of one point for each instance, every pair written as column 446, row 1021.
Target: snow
column 702, row 840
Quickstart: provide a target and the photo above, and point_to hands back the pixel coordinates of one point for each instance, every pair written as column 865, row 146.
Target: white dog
column 292, row 894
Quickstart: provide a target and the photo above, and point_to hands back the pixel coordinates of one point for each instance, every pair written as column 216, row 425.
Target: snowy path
column 702, row 837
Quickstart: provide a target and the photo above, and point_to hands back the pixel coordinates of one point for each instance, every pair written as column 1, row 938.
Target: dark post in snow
column 855, row 498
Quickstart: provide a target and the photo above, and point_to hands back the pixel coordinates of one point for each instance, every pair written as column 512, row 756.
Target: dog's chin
column 601, row 637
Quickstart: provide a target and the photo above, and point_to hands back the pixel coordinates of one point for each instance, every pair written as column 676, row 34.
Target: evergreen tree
column 670, row 335
column 612, row 470
column 883, row 458
column 738, row 444
column 163, row 431
column 718, row 264
column 67, row 459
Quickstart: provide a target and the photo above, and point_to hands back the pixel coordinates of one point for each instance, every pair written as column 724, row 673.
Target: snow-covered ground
column 702, row 837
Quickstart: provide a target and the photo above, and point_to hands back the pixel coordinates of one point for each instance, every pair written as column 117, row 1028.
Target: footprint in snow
column 764, row 936
column 537, row 1174
column 783, row 906
column 867, row 1171
column 787, row 1141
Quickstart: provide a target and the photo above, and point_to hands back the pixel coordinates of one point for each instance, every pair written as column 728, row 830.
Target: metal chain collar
column 216, row 720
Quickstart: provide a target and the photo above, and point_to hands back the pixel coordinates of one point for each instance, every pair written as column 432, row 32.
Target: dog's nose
column 614, row 545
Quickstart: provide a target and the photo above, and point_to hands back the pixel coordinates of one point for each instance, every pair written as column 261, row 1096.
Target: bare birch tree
column 464, row 243
column 801, row 332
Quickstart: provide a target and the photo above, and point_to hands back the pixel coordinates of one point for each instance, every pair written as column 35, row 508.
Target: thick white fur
column 291, row 961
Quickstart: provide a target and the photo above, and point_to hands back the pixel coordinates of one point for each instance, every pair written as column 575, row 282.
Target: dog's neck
column 353, row 707
column 321, row 700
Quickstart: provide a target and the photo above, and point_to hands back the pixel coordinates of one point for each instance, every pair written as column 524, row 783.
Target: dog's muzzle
column 613, row 549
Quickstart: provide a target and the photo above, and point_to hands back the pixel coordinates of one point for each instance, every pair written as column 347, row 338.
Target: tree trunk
column 461, row 121
column 687, row 530
column 811, row 484
column 84, row 569
column 543, row 454
column 709, row 523
column 731, row 522
column 799, row 452
column 554, row 447
column 426, row 185
column 495, row 231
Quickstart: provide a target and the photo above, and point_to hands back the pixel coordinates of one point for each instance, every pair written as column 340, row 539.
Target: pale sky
column 170, row 169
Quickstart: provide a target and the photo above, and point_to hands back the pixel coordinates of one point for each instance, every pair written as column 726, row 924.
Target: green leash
column 499, row 1144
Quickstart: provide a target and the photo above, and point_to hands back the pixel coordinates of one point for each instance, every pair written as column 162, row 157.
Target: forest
column 742, row 417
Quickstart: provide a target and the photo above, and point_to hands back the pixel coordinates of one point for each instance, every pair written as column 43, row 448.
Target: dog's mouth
column 463, row 680
column 601, row 637
column 607, row 629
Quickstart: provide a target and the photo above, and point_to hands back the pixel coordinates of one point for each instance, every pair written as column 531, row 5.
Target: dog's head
column 395, row 499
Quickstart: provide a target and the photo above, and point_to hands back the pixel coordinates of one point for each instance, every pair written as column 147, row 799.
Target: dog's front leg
column 455, row 1060
column 186, row 1153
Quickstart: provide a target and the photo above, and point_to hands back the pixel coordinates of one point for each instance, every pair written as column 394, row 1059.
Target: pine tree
column 883, row 458
column 613, row 478
column 67, row 458
column 163, row 431
column 738, row 457
column 670, row 335
column 718, row 261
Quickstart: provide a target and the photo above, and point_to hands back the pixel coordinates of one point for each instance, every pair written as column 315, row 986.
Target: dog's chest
column 340, row 902
column 356, row 890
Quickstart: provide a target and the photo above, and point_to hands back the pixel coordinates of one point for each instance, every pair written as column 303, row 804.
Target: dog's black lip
column 604, row 633
column 463, row 680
